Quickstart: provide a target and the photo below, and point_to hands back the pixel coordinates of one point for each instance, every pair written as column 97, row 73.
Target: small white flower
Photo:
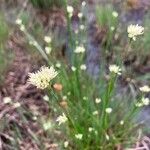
column 83, row 67
column 80, row 15
column 66, row 143
column 95, row 112
column 41, row 79
column 48, row 50
column 34, row 117
column 64, row 97
column 78, row 136
column 69, row 93
column 34, row 43
column 82, row 27
column 73, row 68
column 115, row 69
column 79, row 49
column 47, row 125
column 115, row 14
column 145, row 89
column 96, row 132
column 83, row 3
column 138, row 104
column 90, row 129
column 121, row 122
column 22, row 27
column 7, row 100
column 85, row 98
column 108, row 110
column 62, row 119
column 16, row 105
column 107, row 137
column 47, row 39
column 31, row 42
column 58, row 65
column 46, row 98
column 70, row 10
column 145, row 101
column 112, row 28
column 18, row 21
column 134, row 31
column 97, row 100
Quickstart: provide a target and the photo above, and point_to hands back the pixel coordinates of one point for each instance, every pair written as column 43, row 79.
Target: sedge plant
column 88, row 112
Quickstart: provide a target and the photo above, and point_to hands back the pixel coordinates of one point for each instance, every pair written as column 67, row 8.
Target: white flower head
column 115, row 69
column 83, row 67
column 115, row 14
column 7, row 100
column 79, row 49
column 47, row 39
column 69, row 93
column 108, row 110
column 95, row 112
column 138, row 104
column 79, row 136
column 64, row 97
column 48, row 50
column 62, row 119
column 97, row 100
column 66, row 143
column 73, row 68
column 112, row 28
column 145, row 89
column 107, row 137
column 16, row 105
column 80, row 15
column 34, row 43
column 83, row 3
column 85, row 98
column 145, row 101
column 70, row 10
column 46, row 98
column 34, row 117
column 82, row 27
column 47, row 125
column 121, row 122
column 18, row 21
column 22, row 27
column 58, row 65
column 90, row 129
column 134, row 31
column 41, row 79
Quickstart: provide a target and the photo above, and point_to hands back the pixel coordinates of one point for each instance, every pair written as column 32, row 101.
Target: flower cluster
column 41, row 79
column 70, row 10
column 79, row 49
column 62, row 119
column 145, row 89
column 134, row 31
column 144, row 102
column 20, row 24
column 115, row 69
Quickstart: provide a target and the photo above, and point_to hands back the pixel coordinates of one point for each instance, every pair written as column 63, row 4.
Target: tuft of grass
column 98, row 116
column 107, row 19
